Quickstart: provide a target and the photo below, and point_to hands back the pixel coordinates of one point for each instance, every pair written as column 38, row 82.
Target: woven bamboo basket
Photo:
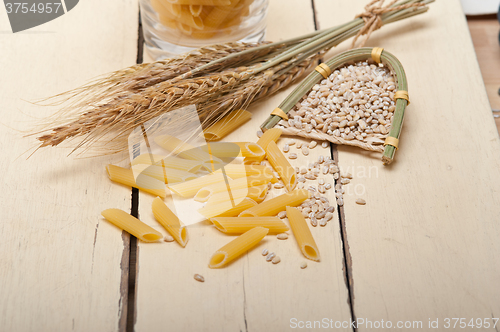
column 387, row 144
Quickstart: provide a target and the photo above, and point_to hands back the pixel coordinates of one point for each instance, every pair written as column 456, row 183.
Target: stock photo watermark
column 370, row 324
column 27, row 14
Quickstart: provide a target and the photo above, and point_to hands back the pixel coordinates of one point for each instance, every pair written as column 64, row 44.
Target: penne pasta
column 228, row 122
column 145, row 183
column 169, row 220
column 169, row 23
column 236, row 15
column 181, row 14
column 226, row 209
column 185, row 29
column 222, row 149
column 277, row 204
column 281, row 165
column 257, row 193
column 236, row 171
column 201, row 2
column 185, row 150
column 248, row 150
column 190, row 188
column 302, row 234
column 195, row 10
column 250, row 181
column 169, row 162
column 219, row 14
column 237, row 247
column 271, row 135
column 236, row 225
column 167, row 175
column 251, row 151
column 131, row 225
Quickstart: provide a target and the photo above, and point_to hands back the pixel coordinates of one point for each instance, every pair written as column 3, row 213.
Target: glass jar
column 171, row 27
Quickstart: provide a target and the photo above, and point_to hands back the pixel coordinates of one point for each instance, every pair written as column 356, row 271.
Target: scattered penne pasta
column 145, row 183
column 131, row 225
column 169, row 220
column 230, row 121
column 227, row 208
column 236, row 225
column 248, row 150
column 257, row 193
column 237, row 247
column 222, row 149
column 190, row 188
column 271, row 135
column 277, row 204
column 167, row 175
column 170, row 162
column 281, row 165
column 302, row 234
column 252, row 151
column 236, row 171
column 185, row 150
column 250, row 181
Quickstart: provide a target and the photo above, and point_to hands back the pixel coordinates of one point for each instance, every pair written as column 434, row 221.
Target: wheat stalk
column 218, row 79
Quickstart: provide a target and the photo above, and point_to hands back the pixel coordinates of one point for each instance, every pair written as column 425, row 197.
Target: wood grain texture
column 250, row 294
column 426, row 243
column 484, row 33
column 60, row 265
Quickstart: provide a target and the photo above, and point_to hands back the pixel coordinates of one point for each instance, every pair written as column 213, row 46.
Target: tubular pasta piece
column 281, row 165
column 252, row 151
column 237, row 247
column 222, row 149
column 185, row 150
column 303, row 234
column 167, row 175
column 277, row 204
column 236, row 15
column 131, row 225
column 219, row 14
column 201, row 2
column 144, row 182
column 168, row 22
column 248, row 150
column 169, row 220
column 250, row 181
column 190, row 188
column 226, row 124
column 271, row 135
column 169, row 162
column 181, row 14
column 196, row 10
column 226, row 209
column 257, row 193
column 236, row 225
column 236, row 171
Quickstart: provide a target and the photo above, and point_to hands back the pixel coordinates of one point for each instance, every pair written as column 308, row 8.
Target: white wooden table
column 425, row 247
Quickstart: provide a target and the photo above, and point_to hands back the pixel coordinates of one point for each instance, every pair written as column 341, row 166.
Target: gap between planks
column 347, row 258
column 130, row 249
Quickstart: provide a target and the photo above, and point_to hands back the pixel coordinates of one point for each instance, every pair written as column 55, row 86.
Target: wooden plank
column 250, row 294
column 484, row 34
column 61, row 265
column 426, row 244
